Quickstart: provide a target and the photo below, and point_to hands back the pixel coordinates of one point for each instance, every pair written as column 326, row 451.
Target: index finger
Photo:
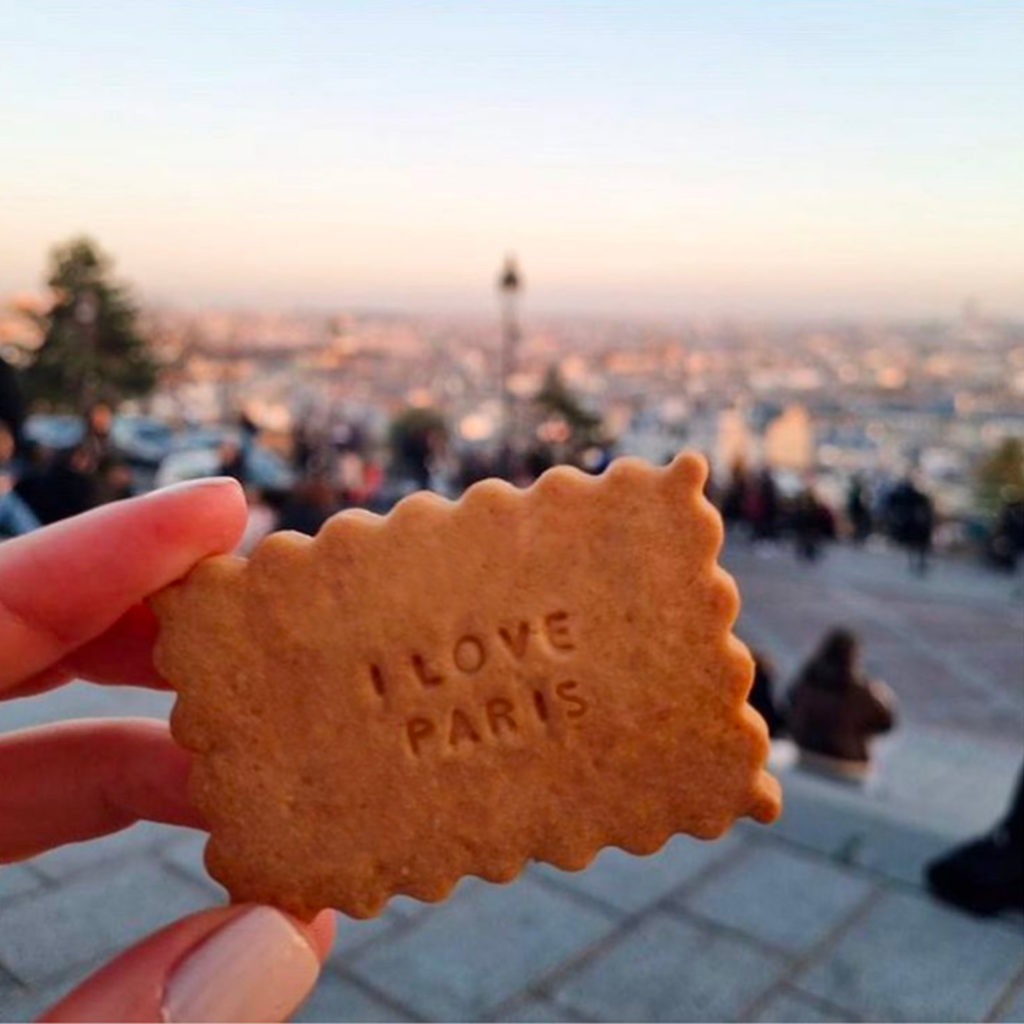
column 66, row 584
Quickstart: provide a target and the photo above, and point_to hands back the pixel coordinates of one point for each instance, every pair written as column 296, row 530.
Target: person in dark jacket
column 834, row 710
column 761, row 506
column 812, row 524
column 858, row 510
column 308, row 507
column 911, row 515
column 62, row 488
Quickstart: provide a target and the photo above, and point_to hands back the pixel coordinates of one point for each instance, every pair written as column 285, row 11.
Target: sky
column 671, row 158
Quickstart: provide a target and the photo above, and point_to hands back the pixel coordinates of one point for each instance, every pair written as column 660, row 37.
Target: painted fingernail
column 257, row 967
column 198, row 484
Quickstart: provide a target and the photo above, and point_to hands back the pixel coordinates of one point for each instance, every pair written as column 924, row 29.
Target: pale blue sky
column 659, row 156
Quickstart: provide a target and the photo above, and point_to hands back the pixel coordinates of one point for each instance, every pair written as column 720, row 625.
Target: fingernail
column 258, row 967
column 198, row 484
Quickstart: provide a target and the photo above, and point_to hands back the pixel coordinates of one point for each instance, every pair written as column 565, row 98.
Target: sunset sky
column 670, row 158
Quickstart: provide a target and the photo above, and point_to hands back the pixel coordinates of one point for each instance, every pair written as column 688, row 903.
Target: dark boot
column 987, row 875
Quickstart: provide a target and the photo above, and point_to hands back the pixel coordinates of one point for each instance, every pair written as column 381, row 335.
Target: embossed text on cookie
column 532, row 699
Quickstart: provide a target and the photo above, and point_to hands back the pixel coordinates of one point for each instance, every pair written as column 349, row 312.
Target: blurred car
column 193, row 437
column 263, row 468
column 190, row 464
column 58, row 431
column 142, row 440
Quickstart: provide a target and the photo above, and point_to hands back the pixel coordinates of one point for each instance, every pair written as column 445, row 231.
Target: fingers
column 67, row 584
column 241, row 963
column 77, row 780
column 123, row 655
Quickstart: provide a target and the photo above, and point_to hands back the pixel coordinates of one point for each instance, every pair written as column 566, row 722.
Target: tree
column 91, row 347
column 1001, row 473
column 556, row 399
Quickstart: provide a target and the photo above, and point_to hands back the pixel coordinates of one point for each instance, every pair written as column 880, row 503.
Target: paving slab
column 894, row 828
column 74, row 858
column 463, row 958
column 1013, row 1008
column 185, row 854
column 96, row 914
column 20, row 1002
column 352, row 934
column 537, row 1010
column 910, row 958
column 789, row 1006
column 340, row 999
column 628, row 883
column 666, row 969
column 17, row 880
column 786, row 899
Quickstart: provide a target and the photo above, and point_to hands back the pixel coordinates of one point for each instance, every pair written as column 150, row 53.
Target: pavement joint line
column 541, row 988
column 627, row 922
column 1008, row 921
column 729, row 931
column 398, row 927
column 584, row 898
column 635, row 921
column 8, row 975
column 380, row 994
column 1015, row 985
column 115, row 859
column 829, row 1008
column 40, row 875
column 567, row 1012
column 617, row 913
column 798, row 965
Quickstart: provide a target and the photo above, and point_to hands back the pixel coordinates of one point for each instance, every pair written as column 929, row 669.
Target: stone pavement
column 817, row 918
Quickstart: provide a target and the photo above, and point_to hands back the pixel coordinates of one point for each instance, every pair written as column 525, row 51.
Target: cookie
column 457, row 688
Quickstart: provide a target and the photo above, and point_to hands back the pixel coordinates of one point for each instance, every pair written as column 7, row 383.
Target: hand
column 71, row 607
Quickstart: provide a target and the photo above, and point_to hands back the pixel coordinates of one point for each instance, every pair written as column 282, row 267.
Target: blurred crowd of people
column 752, row 502
column 300, row 478
column 40, row 485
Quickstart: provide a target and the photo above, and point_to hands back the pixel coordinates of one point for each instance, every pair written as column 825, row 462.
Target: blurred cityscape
column 363, row 407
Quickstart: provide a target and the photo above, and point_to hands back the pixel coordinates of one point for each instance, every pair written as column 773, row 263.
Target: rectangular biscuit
column 456, row 688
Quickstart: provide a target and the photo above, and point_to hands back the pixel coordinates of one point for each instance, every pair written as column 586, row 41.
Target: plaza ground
column 819, row 917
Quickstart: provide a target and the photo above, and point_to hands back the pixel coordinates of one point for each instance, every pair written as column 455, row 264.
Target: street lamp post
column 509, row 286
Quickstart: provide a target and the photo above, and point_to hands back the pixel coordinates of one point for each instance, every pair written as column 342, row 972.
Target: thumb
column 238, row 963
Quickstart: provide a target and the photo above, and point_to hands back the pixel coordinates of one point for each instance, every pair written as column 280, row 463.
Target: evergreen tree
column 91, row 347
column 556, row 399
column 1000, row 474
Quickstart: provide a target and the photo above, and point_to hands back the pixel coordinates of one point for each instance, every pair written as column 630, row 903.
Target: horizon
column 800, row 161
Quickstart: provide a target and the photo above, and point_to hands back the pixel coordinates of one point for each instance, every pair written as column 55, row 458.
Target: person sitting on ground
column 834, row 710
column 986, row 875
column 762, row 693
